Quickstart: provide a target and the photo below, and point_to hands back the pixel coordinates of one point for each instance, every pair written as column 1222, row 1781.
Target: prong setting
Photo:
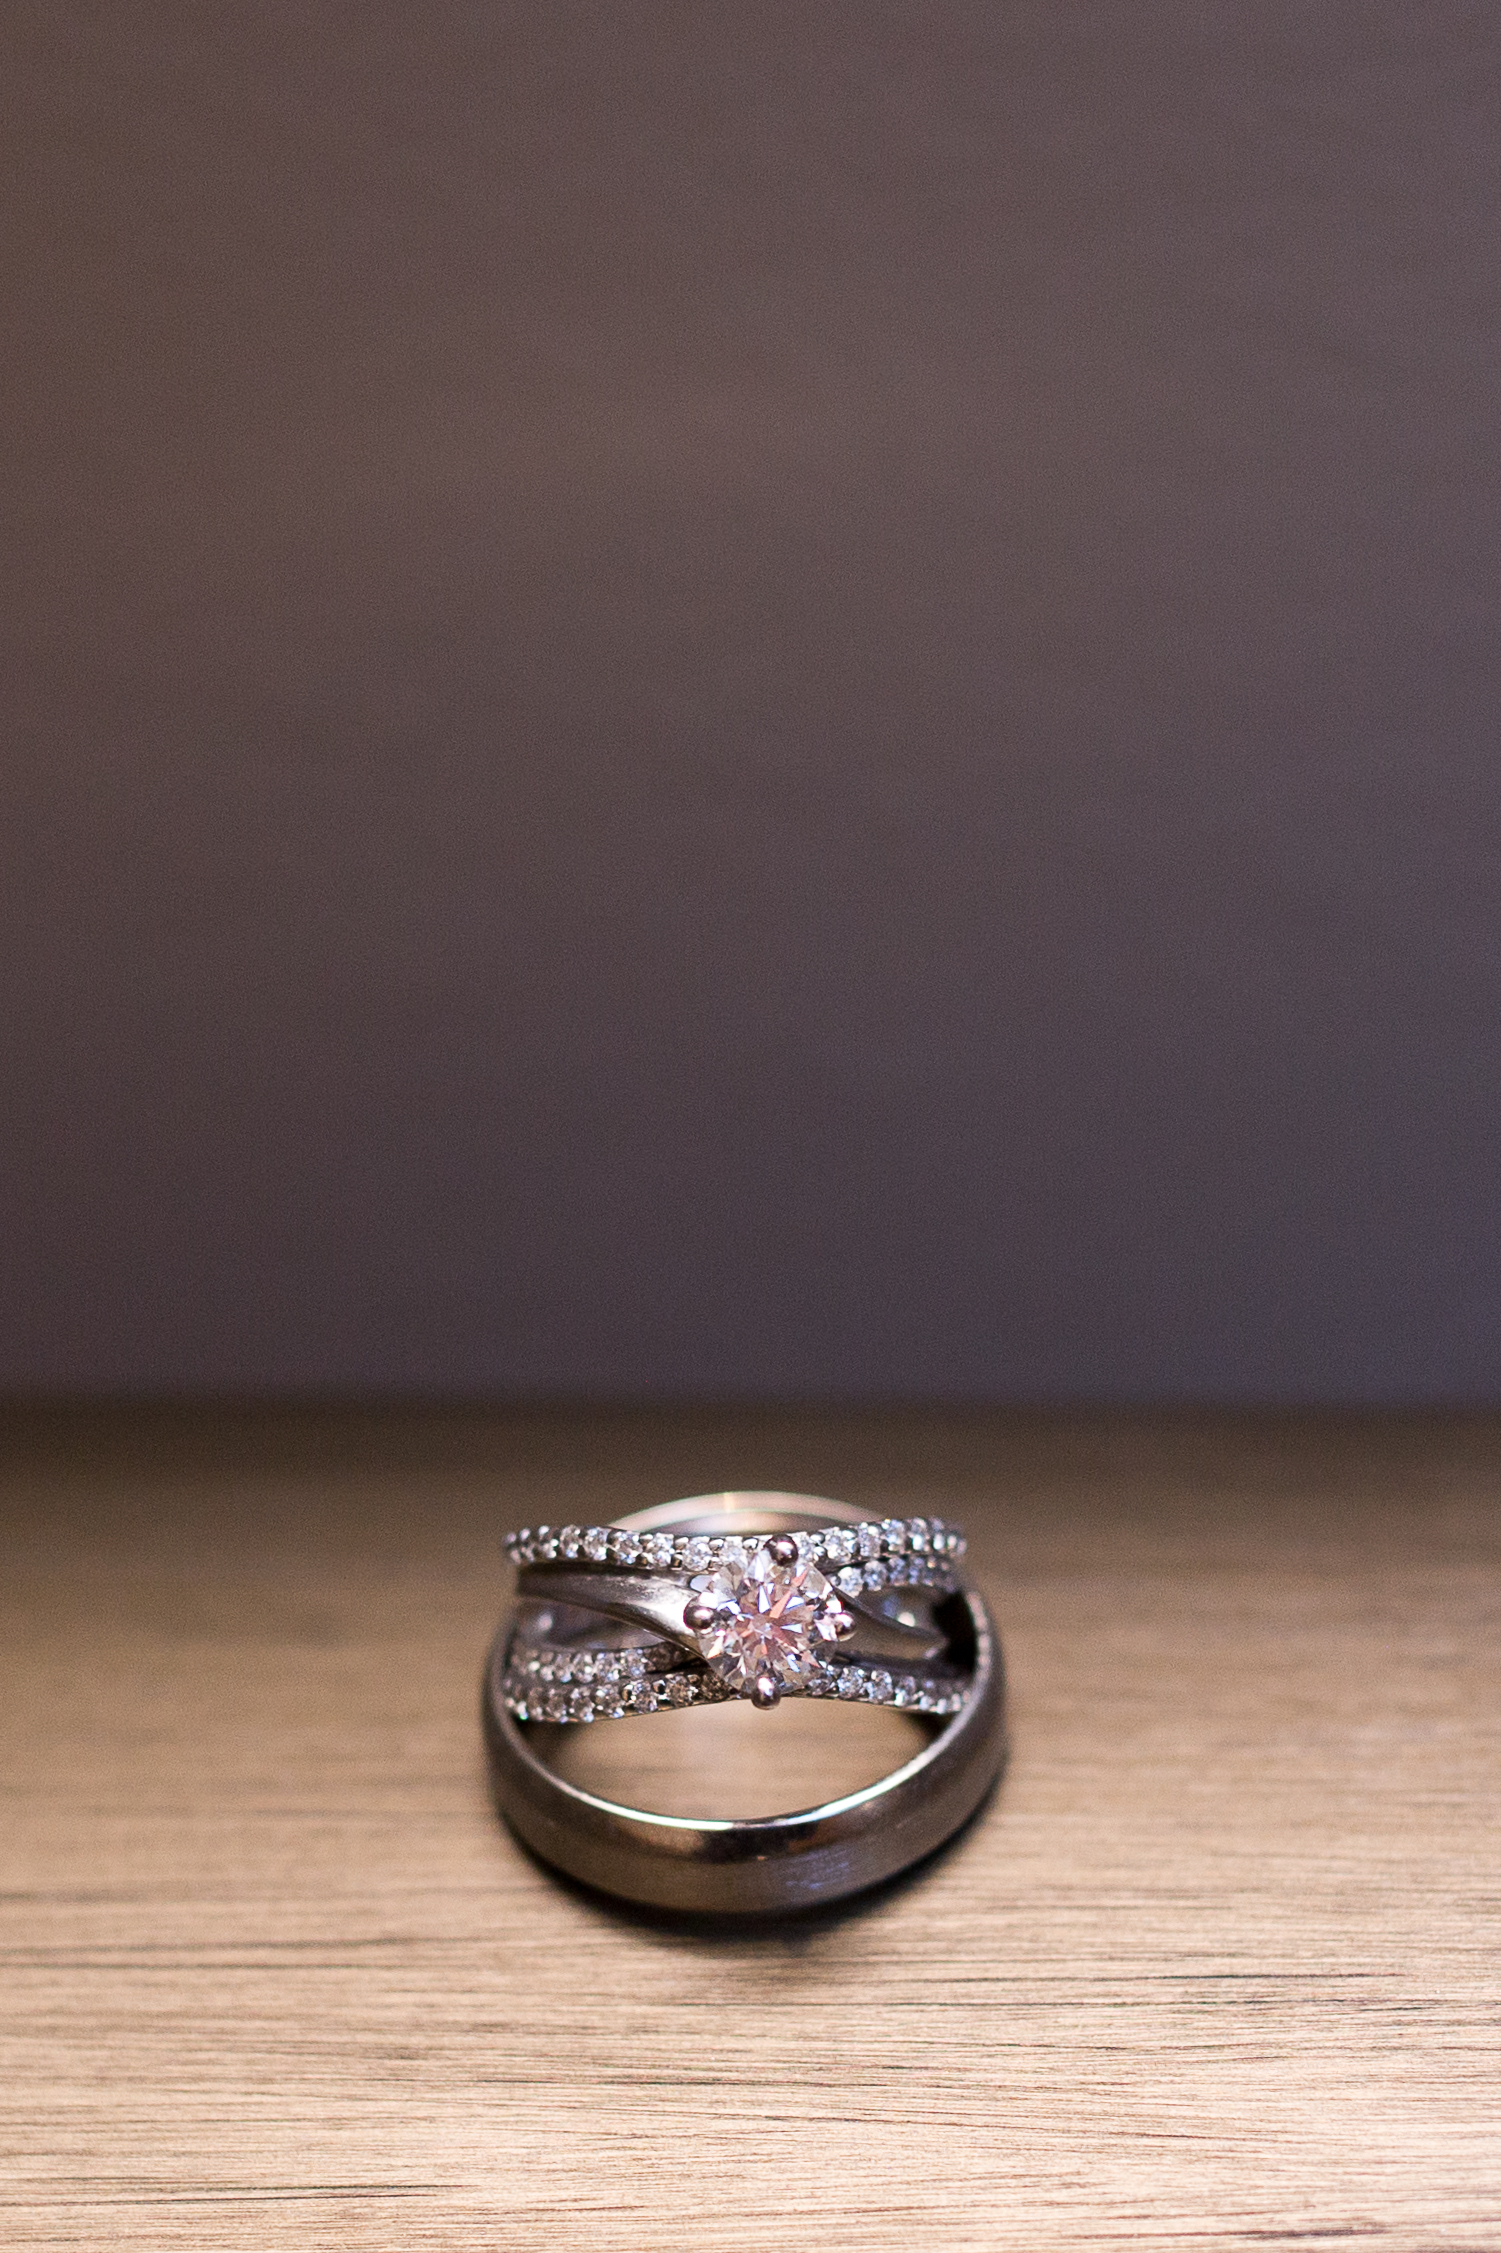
column 771, row 1614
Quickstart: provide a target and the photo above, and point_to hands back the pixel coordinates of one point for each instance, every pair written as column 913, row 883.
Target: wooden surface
column 1217, row 1969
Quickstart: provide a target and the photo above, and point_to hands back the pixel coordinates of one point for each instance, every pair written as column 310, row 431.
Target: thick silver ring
column 767, row 1864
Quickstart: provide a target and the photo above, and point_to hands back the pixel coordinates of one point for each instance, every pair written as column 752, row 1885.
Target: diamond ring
column 753, row 1616
column 759, row 1611
column 756, row 1597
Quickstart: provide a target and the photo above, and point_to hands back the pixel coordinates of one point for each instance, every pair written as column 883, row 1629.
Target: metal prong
column 783, row 1549
column 698, row 1615
column 845, row 1625
column 765, row 1692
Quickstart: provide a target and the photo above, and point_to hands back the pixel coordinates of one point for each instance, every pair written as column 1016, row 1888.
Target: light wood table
column 1218, row 1967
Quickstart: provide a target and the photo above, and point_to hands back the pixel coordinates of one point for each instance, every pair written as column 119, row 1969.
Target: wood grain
column 1217, row 1969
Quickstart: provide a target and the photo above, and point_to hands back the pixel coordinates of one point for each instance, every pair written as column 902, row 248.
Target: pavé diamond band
column 874, row 1553
column 763, row 1610
column 753, row 1596
column 561, row 1683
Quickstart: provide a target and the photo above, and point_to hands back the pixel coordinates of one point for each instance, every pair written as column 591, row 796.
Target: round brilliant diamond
column 769, row 1619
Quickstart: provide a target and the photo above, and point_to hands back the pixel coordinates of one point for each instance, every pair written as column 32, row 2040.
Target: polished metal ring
column 729, row 1595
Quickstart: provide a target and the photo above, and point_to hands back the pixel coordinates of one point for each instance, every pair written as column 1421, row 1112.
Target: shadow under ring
column 762, row 1865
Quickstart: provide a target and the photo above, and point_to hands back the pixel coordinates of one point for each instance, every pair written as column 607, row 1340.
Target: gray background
column 764, row 700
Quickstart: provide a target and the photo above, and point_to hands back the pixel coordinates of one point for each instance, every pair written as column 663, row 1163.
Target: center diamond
column 769, row 1617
